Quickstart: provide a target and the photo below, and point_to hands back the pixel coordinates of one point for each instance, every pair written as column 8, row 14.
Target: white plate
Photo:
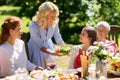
column 115, row 72
column 71, row 71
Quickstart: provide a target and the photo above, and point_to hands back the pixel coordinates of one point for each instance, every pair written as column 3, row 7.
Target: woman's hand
column 57, row 50
column 58, row 53
column 63, row 52
column 69, row 54
column 38, row 68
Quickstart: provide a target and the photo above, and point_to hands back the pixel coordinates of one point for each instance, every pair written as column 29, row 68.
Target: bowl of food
column 114, row 66
column 66, row 76
column 65, row 50
column 115, row 72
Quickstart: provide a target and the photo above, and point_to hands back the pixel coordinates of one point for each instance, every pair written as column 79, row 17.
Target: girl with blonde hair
column 43, row 27
column 43, row 11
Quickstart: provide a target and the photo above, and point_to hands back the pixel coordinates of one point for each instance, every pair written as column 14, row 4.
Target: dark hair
column 91, row 31
column 9, row 23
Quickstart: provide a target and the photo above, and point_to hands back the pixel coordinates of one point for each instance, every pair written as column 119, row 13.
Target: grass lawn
column 63, row 62
column 6, row 11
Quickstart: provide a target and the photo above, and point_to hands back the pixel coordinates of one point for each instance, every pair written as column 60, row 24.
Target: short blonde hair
column 43, row 11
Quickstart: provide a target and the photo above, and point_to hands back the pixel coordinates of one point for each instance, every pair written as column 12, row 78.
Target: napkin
column 84, row 65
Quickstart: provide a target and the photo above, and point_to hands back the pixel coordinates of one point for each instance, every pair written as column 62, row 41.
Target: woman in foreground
column 12, row 49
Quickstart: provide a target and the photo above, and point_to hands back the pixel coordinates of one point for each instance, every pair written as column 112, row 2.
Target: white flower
column 95, row 43
column 99, row 51
column 101, row 44
column 106, row 46
column 104, row 52
column 102, row 78
column 91, row 50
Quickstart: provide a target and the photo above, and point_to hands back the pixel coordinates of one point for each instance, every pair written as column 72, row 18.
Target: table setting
column 100, row 65
column 64, row 74
column 44, row 75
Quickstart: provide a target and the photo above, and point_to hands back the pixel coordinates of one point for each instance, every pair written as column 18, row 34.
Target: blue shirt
column 42, row 38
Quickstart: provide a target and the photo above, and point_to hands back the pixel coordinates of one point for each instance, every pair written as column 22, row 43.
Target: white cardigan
column 13, row 57
column 74, row 53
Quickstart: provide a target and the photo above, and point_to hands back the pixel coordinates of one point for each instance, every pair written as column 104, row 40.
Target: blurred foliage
column 10, row 2
column 6, row 11
column 71, row 20
column 75, row 14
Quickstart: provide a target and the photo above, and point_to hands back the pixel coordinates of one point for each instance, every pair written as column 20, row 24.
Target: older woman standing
column 103, row 29
column 43, row 27
column 12, row 49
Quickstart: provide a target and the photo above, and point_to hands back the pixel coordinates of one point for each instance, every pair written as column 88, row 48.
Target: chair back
column 24, row 38
column 114, row 33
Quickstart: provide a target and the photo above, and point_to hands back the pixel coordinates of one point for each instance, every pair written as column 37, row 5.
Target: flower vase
column 101, row 70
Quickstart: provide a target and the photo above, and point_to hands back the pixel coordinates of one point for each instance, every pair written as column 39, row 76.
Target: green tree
column 75, row 14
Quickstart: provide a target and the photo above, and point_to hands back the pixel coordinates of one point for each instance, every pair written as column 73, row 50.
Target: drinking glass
column 51, row 66
column 21, row 74
column 50, row 63
column 92, row 72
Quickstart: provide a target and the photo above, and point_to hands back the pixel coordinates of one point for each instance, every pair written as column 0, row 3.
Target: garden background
column 74, row 15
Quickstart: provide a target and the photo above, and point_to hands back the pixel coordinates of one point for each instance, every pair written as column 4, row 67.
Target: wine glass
column 51, row 66
column 21, row 74
column 50, row 63
column 92, row 72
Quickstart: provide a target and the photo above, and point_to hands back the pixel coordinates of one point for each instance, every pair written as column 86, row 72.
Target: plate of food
column 66, row 76
column 70, row 71
column 65, row 50
column 115, row 72
column 114, row 66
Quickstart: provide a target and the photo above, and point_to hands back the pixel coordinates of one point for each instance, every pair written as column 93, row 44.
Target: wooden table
column 113, row 77
column 110, row 77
